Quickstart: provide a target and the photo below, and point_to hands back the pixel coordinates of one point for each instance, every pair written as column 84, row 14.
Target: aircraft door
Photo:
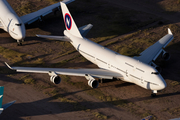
column 142, row 80
column 109, row 65
column 10, row 25
column 127, row 74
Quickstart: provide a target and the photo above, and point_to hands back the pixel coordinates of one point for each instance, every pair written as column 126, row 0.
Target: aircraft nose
column 21, row 35
column 163, row 85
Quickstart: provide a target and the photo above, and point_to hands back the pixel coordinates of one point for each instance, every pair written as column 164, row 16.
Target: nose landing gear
column 19, row 42
column 154, row 92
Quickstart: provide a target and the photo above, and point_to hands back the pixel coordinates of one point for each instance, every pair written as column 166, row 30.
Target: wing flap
column 61, row 38
column 99, row 73
column 32, row 17
column 154, row 51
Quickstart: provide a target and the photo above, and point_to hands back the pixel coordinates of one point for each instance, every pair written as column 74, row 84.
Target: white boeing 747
column 15, row 25
column 139, row 70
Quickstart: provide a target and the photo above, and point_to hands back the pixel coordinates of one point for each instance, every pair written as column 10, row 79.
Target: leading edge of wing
column 99, row 73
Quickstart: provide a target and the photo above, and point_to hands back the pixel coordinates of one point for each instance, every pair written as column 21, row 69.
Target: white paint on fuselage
column 132, row 70
column 11, row 21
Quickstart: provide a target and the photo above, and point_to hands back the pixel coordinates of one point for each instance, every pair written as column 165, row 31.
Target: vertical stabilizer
column 69, row 22
column 1, row 95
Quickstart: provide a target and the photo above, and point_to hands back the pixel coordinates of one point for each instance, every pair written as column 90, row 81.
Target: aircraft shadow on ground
column 45, row 107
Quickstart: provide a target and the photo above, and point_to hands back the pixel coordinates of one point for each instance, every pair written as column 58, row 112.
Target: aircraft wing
column 32, row 17
column 98, row 73
column 155, row 50
column 85, row 29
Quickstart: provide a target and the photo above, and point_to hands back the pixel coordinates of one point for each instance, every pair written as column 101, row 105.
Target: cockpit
column 18, row 24
column 156, row 73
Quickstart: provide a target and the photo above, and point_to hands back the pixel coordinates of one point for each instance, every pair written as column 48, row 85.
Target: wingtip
column 90, row 25
column 66, row 1
column 8, row 66
column 169, row 31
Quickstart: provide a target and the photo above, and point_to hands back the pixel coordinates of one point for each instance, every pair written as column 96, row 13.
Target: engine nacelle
column 54, row 78
column 91, row 81
column 165, row 56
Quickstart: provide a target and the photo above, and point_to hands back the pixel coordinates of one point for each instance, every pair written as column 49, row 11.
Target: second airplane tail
column 1, row 95
column 69, row 22
column 3, row 107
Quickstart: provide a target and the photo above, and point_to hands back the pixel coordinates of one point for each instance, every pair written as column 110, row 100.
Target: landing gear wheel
column 19, row 44
column 100, row 80
column 153, row 95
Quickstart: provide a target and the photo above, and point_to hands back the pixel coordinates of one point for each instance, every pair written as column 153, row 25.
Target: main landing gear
column 154, row 92
column 100, row 80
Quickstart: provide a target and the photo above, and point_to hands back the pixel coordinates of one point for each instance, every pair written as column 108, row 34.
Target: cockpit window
column 156, row 73
column 18, row 24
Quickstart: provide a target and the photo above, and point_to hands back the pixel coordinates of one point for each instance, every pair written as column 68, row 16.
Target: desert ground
column 125, row 26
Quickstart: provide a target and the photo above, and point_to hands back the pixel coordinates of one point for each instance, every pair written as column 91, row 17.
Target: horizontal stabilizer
column 1, row 110
column 85, row 29
column 61, row 38
column 5, row 106
column 169, row 31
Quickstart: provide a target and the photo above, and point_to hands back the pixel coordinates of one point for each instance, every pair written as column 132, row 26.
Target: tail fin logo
column 68, row 21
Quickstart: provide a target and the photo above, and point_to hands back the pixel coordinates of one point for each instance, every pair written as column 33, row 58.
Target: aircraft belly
column 87, row 57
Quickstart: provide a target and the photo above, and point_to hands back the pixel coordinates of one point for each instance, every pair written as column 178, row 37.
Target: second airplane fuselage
column 11, row 21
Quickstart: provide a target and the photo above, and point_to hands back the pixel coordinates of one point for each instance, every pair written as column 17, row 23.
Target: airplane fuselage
column 132, row 70
column 11, row 21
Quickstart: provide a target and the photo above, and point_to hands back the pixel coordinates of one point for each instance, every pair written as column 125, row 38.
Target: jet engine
column 91, row 81
column 54, row 78
column 165, row 56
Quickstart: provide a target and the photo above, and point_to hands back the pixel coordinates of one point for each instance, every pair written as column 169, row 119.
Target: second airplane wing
column 32, row 17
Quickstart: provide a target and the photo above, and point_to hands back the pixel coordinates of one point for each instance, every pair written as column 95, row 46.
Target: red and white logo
column 68, row 21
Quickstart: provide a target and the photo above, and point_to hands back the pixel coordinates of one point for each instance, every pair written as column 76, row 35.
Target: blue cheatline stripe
column 1, row 95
